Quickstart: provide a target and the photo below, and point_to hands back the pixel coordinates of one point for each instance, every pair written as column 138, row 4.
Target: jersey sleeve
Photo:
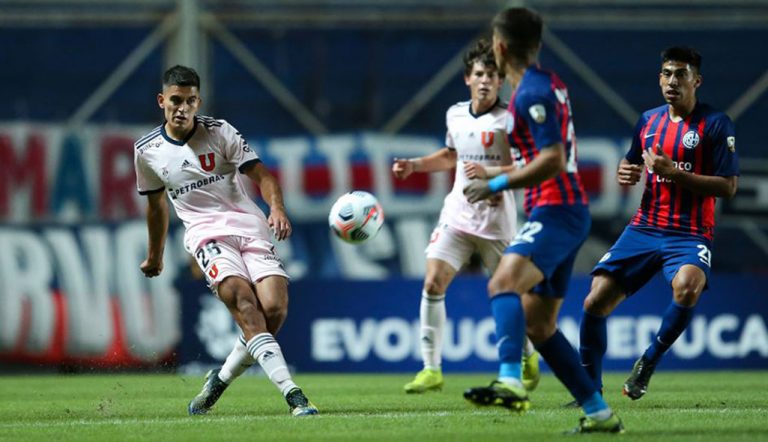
column 236, row 149
column 449, row 142
column 147, row 180
column 538, row 111
column 635, row 153
column 725, row 159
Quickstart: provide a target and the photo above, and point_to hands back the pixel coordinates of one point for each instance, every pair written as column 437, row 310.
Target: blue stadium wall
column 355, row 79
column 72, row 233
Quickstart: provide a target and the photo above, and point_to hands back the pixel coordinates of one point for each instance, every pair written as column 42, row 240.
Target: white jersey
column 199, row 174
column 479, row 139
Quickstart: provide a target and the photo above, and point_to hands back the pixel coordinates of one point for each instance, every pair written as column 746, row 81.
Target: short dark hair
column 482, row 52
column 181, row 76
column 521, row 28
column 682, row 54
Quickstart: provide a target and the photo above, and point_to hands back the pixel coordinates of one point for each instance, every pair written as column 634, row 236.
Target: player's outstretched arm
column 273, row 195
column 478, row 171
column 549, row 163
column 157, row 228
column 443, row 159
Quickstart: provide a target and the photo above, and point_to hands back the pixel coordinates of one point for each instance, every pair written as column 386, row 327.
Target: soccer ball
column 356, row 217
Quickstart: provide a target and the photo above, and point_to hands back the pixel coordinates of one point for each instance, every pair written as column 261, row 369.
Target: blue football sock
column 564, row 362
column 593, row 338
column 510, row 332
column 674, row 322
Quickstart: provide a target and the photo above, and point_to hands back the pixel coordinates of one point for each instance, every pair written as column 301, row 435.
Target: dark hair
column 521, row 29
column 683, row 54
column 482, row 52
column 181, row 76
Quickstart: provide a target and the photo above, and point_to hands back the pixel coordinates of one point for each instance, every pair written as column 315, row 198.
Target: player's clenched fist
column 402, row 168
column 280, row 224
column 151, row 268
column 629, row 174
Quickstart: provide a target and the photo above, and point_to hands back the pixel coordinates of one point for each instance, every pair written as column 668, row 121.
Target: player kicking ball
column 195, row 161
column 476, row 147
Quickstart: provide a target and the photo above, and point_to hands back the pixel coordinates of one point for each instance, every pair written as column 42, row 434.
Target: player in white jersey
column 477, row 147
column 195, row 160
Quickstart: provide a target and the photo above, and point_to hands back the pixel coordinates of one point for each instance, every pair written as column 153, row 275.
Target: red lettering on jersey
column 214, row 272
column 209, row 164
column 487, row 139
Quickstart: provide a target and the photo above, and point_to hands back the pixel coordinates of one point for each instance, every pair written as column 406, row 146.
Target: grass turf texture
column 706, row 406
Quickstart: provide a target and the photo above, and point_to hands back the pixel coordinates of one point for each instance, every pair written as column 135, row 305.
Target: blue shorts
column 640, row 252
column 551, row 238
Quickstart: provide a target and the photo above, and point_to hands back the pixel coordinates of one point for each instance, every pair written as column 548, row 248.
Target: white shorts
column 456, row 247
column 249, row 258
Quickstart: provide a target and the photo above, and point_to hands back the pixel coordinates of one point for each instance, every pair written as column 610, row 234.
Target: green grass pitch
column 704, row 406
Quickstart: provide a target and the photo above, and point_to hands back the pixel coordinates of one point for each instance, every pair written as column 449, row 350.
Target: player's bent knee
column 687, row 286
column 498, row 285
column 687, row 295
column 604, row 295
column 275, row 311
column 230, row 291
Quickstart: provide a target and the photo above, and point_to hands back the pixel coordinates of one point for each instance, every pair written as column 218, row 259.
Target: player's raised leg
column 238, row 295
column 687, row 286
column 432, row 317
column 239, row 360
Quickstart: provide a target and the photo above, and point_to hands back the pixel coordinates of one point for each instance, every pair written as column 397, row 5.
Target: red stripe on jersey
column 699, row 221
column 656, row 191
column 528, row 151
column 664, row 188
column 641, row 217
column 562, row 112
column 679, row 190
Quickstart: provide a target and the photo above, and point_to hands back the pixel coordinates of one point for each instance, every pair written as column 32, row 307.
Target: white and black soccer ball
column 356, row 217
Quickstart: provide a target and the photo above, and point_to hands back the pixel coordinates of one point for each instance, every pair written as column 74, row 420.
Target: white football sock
column 528, row 348
column 266, row 351
column 237, row 362
column 432, row 317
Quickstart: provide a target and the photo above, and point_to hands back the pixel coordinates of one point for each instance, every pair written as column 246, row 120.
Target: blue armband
column 501, row 182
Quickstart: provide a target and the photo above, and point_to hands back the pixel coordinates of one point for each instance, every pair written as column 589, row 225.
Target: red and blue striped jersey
column 703, row 143
column 540, row 116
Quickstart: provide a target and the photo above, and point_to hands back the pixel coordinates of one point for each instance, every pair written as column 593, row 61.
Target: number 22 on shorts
column 527, row 233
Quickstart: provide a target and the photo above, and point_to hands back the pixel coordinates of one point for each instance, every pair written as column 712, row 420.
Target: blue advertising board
column 372, row 326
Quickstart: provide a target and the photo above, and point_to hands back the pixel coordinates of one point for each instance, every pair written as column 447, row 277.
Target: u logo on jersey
column 487, row 139
column 691, row 139
column 207, row 163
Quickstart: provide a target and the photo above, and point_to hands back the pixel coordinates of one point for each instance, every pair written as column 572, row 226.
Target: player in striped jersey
column 195, row 161
column 476, row 145
column 689, row 152
column 530, row 282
